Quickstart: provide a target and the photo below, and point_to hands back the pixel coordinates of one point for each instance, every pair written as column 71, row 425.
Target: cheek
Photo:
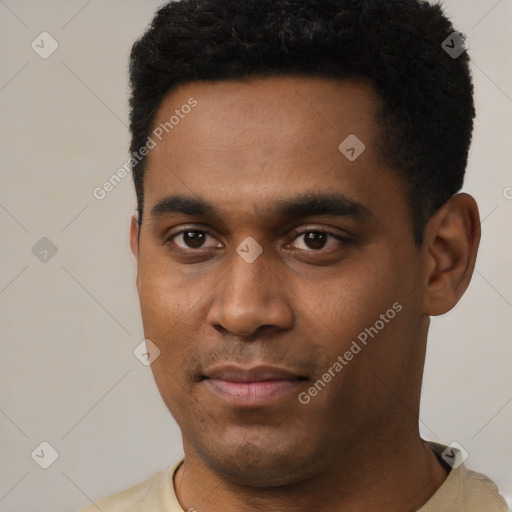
column 351, row 297
column 163, row 298
column 360, row 302
column 164, row 317
column 173, row 313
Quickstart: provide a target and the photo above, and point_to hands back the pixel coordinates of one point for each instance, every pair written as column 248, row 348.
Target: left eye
column 315, row 240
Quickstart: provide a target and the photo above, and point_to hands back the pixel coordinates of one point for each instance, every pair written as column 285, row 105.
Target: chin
column 265, row 464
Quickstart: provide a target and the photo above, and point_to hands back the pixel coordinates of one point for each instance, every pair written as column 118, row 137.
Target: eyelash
column 343, row 240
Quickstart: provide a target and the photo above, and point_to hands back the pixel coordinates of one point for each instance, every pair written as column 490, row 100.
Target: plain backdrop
column 70, row 323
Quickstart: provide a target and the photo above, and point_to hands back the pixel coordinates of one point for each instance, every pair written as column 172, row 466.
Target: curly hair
column 425, row 120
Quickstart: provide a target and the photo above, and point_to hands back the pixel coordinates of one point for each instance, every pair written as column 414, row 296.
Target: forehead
column 253, row 112
column 249, row 143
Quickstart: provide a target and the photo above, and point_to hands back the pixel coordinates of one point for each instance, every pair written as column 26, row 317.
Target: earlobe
column 452, row 239
column 134, row 235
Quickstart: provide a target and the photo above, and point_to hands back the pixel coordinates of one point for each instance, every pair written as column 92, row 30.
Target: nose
column 249, row 297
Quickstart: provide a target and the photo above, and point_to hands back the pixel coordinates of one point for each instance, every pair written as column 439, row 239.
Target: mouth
column 252, row 387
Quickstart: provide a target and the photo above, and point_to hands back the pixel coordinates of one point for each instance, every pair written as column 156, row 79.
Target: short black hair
column 426, row 115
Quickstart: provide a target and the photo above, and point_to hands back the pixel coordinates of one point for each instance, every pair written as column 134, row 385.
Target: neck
column 385, row 474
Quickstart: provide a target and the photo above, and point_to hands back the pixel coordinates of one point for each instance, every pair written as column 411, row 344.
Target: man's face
column 244, row 336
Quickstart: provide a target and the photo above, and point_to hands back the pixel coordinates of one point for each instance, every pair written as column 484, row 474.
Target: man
column 297, row 168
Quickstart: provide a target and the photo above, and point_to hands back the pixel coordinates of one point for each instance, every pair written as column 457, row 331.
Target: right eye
column 190, row 239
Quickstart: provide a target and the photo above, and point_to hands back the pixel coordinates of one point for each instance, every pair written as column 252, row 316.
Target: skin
column 244, row 147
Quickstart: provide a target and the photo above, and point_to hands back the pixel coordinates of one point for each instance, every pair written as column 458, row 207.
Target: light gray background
column 68, row 375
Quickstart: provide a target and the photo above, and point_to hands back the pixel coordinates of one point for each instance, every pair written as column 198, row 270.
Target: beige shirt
column 462, row 491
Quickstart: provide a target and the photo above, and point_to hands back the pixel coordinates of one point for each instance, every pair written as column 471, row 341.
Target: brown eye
column 194, row 239
column 316, row 240
column 191, row 239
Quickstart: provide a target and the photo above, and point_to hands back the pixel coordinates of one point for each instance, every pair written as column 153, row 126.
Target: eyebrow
column 307, row 205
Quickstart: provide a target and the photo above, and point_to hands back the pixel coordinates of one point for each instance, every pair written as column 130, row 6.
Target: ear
column 134, row 235
column 452, row 239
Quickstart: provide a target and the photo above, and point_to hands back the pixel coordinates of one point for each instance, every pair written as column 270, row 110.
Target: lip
column 252, row 387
